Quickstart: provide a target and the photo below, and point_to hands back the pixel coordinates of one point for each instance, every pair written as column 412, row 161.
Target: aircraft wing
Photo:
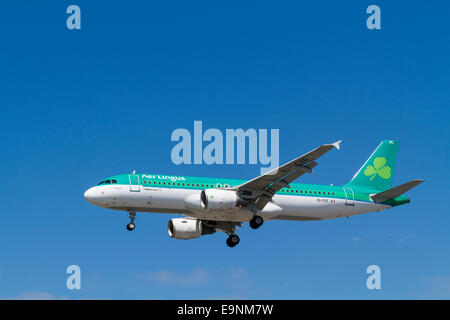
column 267, row 184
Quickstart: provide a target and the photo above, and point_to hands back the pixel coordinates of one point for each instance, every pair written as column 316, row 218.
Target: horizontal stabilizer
column 396, row 191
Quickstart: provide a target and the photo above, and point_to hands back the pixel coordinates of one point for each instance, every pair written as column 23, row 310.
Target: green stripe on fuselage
column 200, row 183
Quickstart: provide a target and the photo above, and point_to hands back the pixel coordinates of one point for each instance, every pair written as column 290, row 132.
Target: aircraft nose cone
column 88, row 195
column 93, row 196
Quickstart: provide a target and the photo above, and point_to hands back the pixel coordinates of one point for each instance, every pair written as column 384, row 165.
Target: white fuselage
column 187, row 202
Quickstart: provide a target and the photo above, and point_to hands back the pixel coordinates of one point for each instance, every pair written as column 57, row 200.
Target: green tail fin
column 379, row 169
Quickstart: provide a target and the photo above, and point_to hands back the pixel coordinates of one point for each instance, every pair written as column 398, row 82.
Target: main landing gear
column 131, row 226
column 233, row 240
column 256, row 222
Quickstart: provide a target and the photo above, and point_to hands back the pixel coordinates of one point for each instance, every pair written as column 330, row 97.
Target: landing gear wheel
column 256, row 222
column 130, row 226
column 233, row 240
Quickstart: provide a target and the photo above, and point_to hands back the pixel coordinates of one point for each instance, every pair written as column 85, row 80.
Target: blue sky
column 78, row 106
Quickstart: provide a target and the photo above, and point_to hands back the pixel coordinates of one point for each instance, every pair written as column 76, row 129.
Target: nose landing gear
column 131, row 226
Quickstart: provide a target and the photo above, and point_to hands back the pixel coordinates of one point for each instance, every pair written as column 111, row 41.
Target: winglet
column 337, row 144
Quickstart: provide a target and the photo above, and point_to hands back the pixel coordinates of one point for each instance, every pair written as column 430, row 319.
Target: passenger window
column 114, row 181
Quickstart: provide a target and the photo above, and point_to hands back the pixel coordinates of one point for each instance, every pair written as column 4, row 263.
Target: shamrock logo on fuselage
column 378, row 168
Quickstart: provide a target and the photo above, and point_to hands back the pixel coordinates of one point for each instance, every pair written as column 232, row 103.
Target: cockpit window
column 107, row 182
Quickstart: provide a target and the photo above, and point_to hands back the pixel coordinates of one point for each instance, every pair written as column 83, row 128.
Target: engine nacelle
column 215, row 199
column 187, row 228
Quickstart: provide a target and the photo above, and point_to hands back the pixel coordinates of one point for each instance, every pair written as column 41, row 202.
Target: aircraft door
column 134, row 183
column 350, row 196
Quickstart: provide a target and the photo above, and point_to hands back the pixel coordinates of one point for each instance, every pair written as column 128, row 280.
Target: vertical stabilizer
column 378, row 170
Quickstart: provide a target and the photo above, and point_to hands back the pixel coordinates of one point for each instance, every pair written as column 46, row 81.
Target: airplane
column 216, row 204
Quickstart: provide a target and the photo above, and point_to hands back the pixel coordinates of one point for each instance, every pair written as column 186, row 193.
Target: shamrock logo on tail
column 378, row 168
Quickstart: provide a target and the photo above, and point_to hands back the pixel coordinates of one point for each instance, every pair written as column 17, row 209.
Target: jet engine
column 188, row 228
column 216, row 199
